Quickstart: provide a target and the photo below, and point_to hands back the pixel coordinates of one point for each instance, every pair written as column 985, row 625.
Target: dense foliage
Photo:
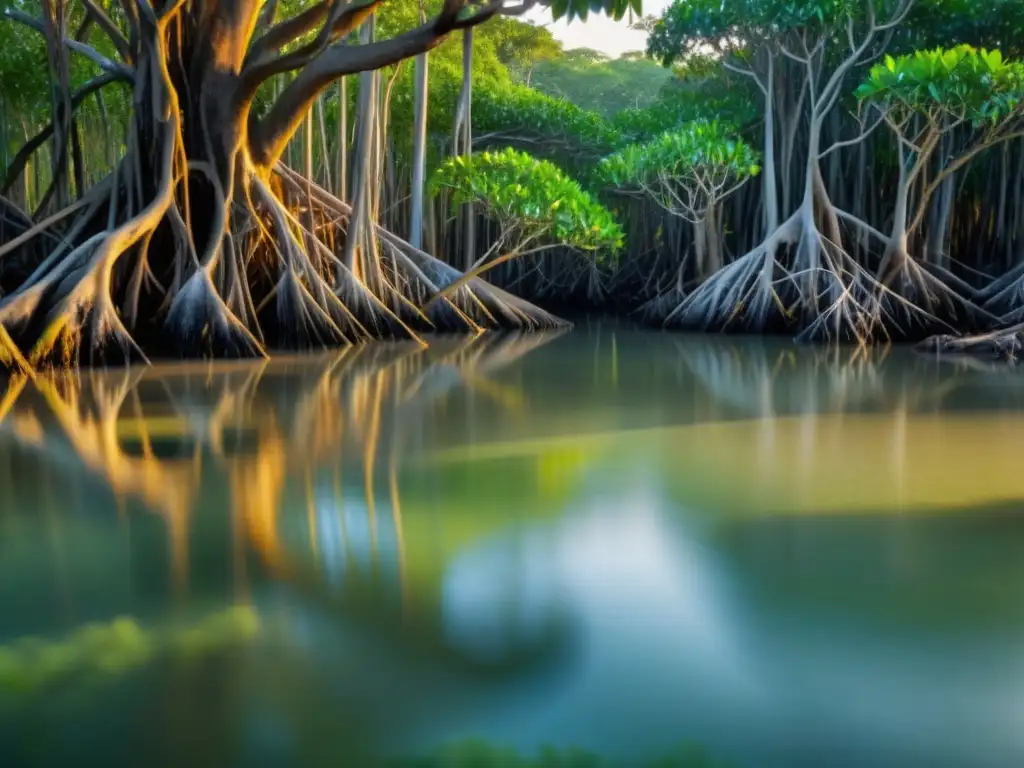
column 594, row 82
column 968, row 84
column 549, row 126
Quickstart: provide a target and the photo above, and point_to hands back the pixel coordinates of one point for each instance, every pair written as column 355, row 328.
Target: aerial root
column 302, row 321
column 916, row 304
column 10, row 356
column 85, row 312
column 582, row 277
column 655, row 311
column 851, row 317
column 827, row 295
column 203, row 325
column 391, row 315
column 277, row 247
column 740, row 296
column 478, row 301
column 1004, row 298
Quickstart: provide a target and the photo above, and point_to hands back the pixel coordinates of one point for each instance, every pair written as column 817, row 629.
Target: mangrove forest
column 230, row 178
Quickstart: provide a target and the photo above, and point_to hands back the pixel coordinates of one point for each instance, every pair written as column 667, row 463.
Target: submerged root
column 1006, row 345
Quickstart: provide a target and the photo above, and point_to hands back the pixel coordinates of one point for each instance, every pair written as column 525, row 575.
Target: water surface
column 610, row 539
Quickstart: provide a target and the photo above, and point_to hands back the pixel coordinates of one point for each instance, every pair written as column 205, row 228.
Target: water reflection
column 322, row 436
column 614, row 539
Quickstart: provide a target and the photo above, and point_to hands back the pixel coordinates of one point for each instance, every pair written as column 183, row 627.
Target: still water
column 709, row 551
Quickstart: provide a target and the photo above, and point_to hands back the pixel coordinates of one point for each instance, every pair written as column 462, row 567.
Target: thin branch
column 747, row 72
column 855, row 140
column 861, row 224
column 953, row 167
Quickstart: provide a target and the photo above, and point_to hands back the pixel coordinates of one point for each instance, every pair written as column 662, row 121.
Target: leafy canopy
column 531, row 196
column 699, row 150
column 580, row 9
column 962, row 82
column 688, row 26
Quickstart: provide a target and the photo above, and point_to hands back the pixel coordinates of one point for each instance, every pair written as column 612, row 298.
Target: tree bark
column 419, row 150
column 464, row 145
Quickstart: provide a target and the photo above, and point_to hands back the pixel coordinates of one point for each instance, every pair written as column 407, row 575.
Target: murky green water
column 624, row 542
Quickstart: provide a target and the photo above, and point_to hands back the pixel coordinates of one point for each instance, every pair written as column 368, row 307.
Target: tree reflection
column 298, row 453
column 845, row 430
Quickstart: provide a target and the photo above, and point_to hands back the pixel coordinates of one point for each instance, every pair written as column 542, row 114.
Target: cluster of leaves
column 700, row 148
column 33, row 665
column 533, row 196
column 580, row 9
column 963, row 82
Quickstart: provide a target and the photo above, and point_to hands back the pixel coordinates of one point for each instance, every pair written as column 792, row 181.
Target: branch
column 519, row 10
column 131, row 15
column 861, row 224
column 289, row 30
column 267, row 17
column 901, row 14
column 260, row 67
column 107, row 25
column 748, row 72
column 269, row 136
column 830, row 92
column 855, row 140
column 89, row 52
column 791, row 55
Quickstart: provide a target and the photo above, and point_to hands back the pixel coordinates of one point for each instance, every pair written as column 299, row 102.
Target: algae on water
column 33, row 665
